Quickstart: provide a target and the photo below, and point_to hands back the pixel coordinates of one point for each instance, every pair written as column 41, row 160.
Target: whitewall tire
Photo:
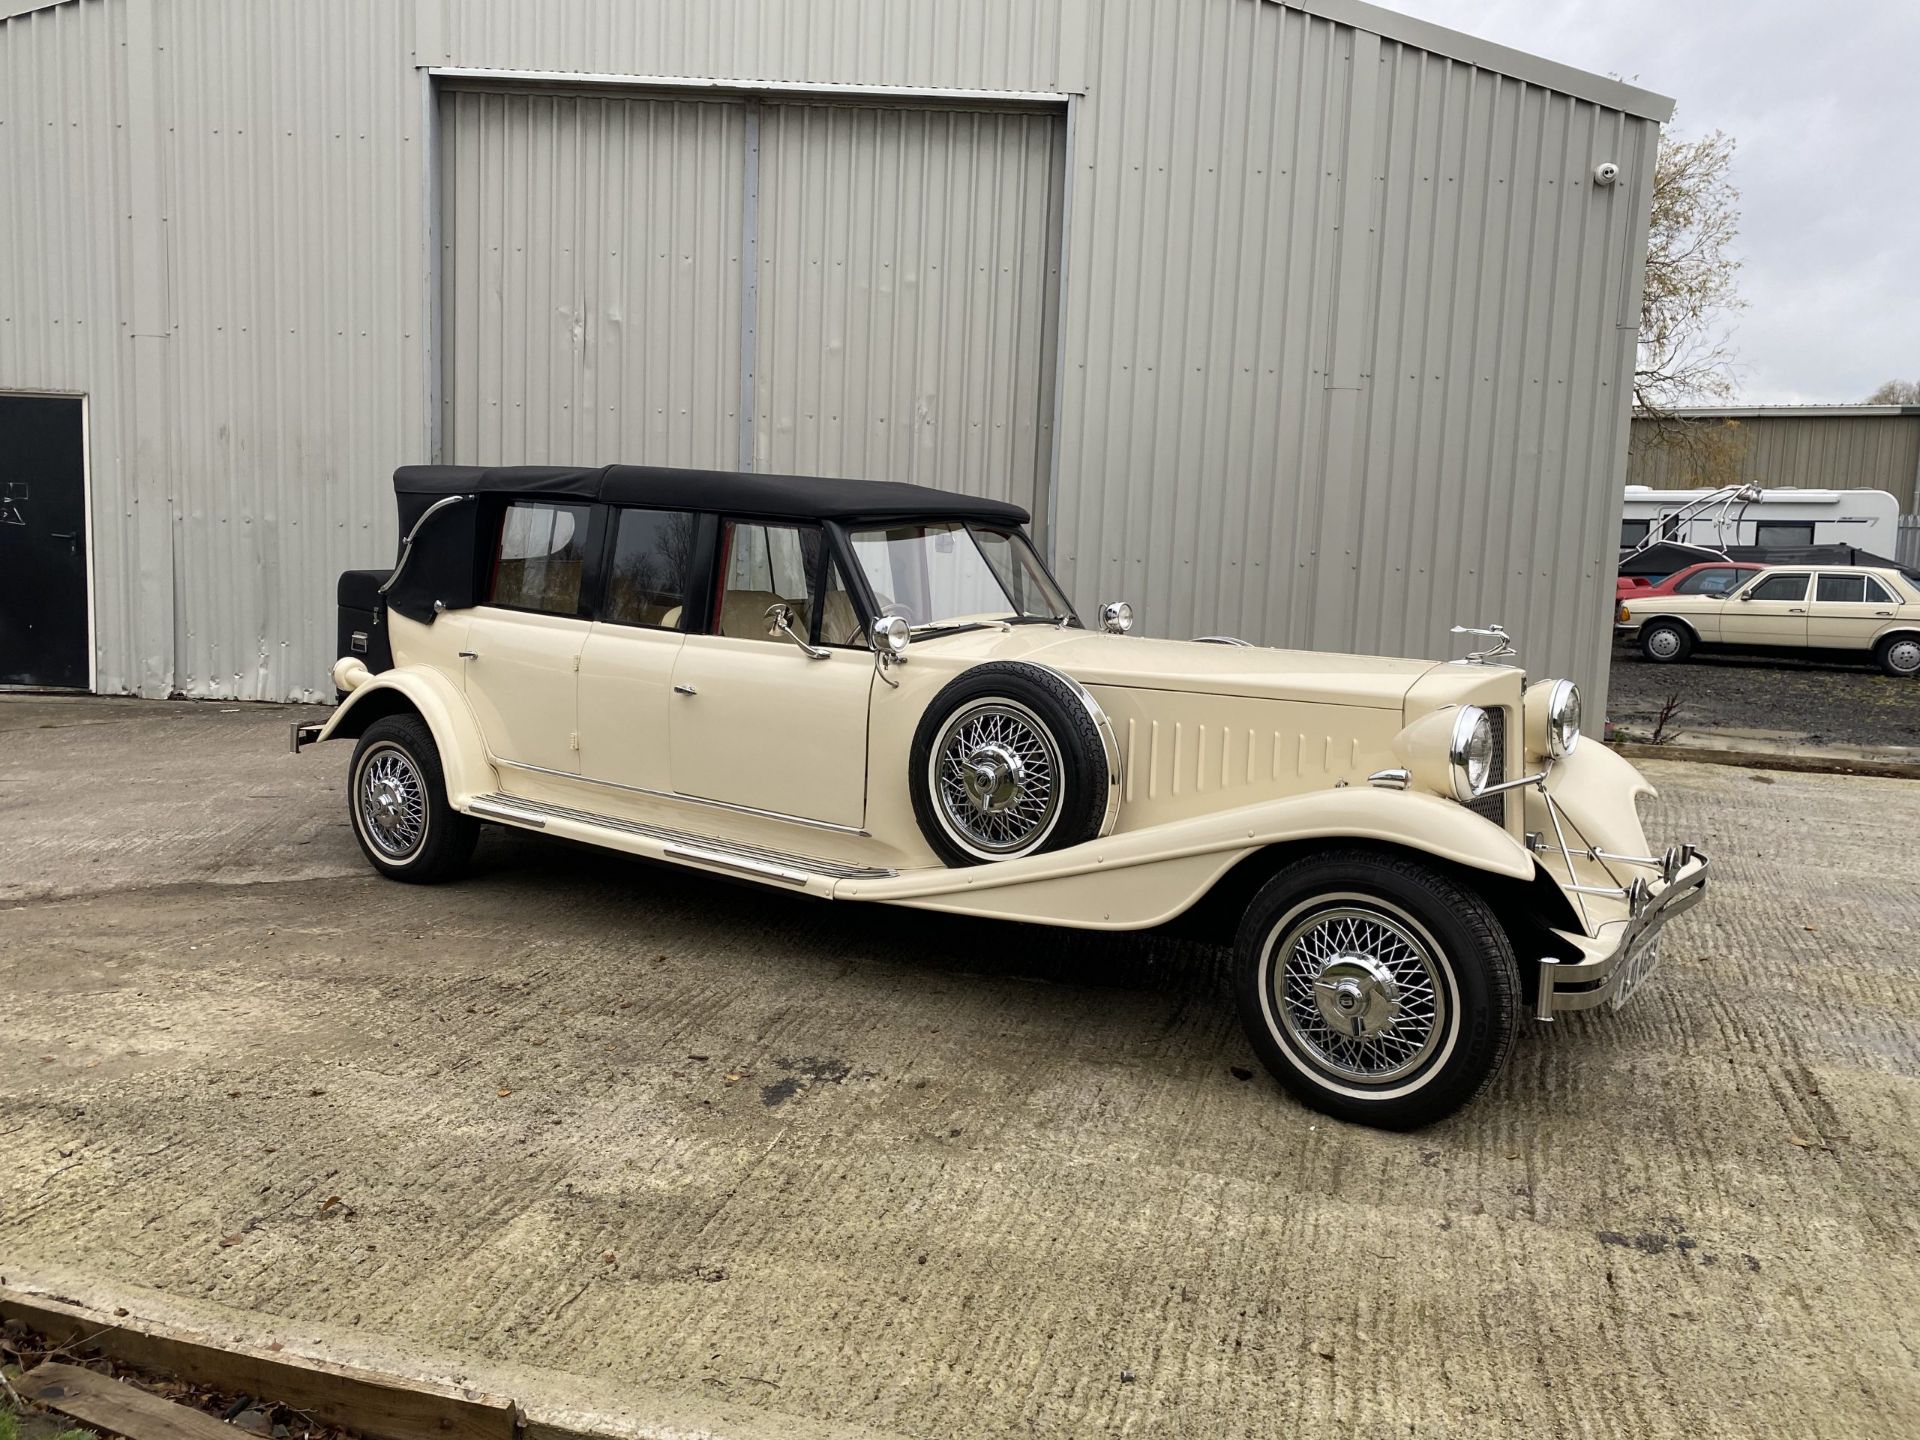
column 1375, row 988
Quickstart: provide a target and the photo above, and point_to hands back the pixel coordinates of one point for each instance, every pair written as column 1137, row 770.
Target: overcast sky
column 1824, row 101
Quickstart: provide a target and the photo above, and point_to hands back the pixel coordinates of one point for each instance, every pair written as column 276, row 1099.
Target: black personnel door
column 43, row 542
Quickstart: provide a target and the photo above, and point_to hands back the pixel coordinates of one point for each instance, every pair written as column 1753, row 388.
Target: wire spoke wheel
column 392, row 801
column 997, row 777
column 1358, row 992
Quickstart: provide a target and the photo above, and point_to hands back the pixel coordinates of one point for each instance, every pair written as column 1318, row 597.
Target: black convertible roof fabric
column 783, row 497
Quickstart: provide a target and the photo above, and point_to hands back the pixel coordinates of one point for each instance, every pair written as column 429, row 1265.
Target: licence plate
column 1640, row 963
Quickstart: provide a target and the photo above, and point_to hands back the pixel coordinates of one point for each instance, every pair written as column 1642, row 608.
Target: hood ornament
column 1501, row 647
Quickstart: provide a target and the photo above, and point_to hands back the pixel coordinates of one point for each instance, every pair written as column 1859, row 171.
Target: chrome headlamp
column 1470, row 752
column 1563, row 718
column 1552, row 712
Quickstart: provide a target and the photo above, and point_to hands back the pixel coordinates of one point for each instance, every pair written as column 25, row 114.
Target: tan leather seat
column 839, row 623
column 743, row 615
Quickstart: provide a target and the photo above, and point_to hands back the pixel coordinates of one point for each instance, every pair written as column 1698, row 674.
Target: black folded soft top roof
column 783, row 497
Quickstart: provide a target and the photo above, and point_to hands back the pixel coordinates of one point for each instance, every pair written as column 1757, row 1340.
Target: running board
column 682, row 845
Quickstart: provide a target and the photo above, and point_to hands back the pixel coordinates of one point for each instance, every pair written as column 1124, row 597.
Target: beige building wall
column 1827, row 447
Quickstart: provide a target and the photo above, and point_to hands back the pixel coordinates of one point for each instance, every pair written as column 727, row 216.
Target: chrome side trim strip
column 684, row 799
column 702, row 856
column 681, row 844
column 487, row 810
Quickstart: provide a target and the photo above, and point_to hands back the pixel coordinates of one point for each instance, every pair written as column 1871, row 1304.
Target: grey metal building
column 1304, row 321
column 1812, row 447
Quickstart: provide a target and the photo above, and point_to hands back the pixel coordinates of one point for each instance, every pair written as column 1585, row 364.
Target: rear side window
column 1773, row 533
column 1876, row 592
column 1708, row 582
column 538, row 561
column 1632, row 532
column 652, row 553
column 1846, row 588
column 1781, row 587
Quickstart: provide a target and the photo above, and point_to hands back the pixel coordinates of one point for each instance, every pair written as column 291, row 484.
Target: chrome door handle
column 1884, row 614
column 469, row 655
column 1796, row 610
column 685, row 690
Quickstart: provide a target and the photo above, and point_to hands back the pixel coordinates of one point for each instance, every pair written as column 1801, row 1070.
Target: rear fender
column 431, row 696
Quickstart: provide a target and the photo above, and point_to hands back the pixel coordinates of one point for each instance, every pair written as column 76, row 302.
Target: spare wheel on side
column 1012, row 759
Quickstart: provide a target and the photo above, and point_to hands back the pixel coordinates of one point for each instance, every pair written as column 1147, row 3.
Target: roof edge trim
column 14, row 9
column 1489, row 55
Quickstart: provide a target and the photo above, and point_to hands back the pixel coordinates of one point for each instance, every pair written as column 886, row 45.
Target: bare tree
column 1896, row 392
column 1692, row 289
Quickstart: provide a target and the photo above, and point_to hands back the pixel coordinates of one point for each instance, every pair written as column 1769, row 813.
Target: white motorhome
column 1866, row 519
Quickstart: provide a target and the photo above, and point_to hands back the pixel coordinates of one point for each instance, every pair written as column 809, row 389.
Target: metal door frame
column 86, row 511
column 437, row 80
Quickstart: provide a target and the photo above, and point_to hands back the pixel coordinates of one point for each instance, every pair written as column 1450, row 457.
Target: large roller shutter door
column 590, row 280
column 909, row 272
column 829, row 289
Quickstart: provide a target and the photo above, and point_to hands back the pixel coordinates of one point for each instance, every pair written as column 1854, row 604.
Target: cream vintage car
column 1862, row 609
column 875, row 691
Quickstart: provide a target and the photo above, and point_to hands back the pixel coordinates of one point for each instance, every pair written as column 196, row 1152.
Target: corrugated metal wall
column 1349, row 333
column 909, row 265
column 1346, row 325
column 1819, row 452
column 591, row 275
column 962, row 44
column 900, row 322
column 63, row 251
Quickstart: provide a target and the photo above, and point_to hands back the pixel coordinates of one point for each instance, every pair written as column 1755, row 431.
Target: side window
column 761, row 566
column 1707, row 582
column 1876, row 592
column 538, row 560
column 1632, row 532
column 652, row 555
column 1848, row 589
column 1774, row 532
column 1781, row 587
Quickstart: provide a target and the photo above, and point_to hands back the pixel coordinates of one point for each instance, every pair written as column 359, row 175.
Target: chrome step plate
column 680, row 844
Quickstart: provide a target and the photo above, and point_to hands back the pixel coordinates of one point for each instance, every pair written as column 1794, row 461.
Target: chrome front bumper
column 299, row 735
column 1616, row 967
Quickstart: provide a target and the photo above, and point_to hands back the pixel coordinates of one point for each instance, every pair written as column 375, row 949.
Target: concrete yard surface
column 627, row 1131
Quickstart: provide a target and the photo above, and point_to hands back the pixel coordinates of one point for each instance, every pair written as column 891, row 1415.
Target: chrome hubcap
column 1904, row 656
column 1663, row 642
column 996, row 778
column 393, row 802
column 1359, row 994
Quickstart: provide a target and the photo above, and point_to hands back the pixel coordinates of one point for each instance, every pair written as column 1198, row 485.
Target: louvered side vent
column 1494, row 807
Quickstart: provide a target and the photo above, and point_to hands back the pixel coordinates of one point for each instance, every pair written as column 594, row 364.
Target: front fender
column 438, row 702
column 1140, row 878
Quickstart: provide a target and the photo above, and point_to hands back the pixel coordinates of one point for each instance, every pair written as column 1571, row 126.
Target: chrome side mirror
column 780, row 617
column 1116, row 617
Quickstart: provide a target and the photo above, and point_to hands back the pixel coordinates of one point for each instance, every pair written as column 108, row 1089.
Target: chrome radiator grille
column 1494, row 807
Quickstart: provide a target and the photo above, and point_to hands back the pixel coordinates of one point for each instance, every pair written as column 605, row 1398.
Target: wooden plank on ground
column 107, row 1404
column 379, row 1406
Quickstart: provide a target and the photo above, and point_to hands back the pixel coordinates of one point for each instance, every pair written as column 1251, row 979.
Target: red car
column 1714, row 577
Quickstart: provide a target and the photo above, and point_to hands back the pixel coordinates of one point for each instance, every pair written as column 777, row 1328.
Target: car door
column 756, row 720
column 627, row 664
column 1847, row 611
column 524, row 642
column 1770, row 611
